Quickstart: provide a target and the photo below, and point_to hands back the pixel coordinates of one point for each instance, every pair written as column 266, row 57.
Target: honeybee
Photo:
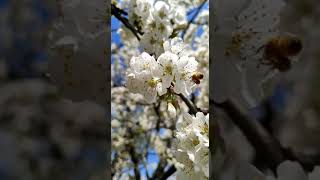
column 278, row 50
column 196, row 77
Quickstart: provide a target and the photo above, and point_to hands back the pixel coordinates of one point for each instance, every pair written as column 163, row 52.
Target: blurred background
column 285, row 104
column 53, row 95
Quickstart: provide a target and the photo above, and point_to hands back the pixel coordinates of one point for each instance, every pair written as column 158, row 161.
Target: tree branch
column 119, row 10
column 117, row 13
column 159, row 170
column 168, row 173
column 134, row 157
column 135, row 161
column 265, row 145
column 192, row 108
column 193, row 17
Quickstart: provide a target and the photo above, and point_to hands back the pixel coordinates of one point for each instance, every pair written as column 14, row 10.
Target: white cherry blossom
column 161, row 11
column 186, row 66
column 201, row 159
column 201, row 128
column 191, row 144
column 167, row 63
column 177, row 46
column 144, row 78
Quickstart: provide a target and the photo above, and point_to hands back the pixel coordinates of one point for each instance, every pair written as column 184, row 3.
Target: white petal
column 172, row 110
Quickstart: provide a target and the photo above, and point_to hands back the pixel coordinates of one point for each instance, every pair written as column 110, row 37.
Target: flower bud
column 172, row 110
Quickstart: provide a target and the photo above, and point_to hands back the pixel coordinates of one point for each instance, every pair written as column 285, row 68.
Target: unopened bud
column 172, row 110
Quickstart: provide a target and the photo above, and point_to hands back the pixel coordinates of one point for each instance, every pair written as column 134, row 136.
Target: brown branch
column 168, row 173
column 192, row 108
column 265, row 145
column 118, row 14
column 134, row 158
column 119, row 10
column 200, row 23
column 135, row 161
column 159, row 170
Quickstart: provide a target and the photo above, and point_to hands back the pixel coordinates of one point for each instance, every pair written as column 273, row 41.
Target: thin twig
column 135, row 162
column 161, row 165
column 192, row 108
column 116, row 12
column 172, row 169
column 193, row 18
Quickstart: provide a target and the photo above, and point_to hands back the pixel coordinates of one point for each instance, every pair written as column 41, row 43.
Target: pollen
column 184, row 75
column 146, row 66
column 205, row 129
column 162, row 14
column 168, row 69
column 153, row 25
column 195, row 142
column 153, row 41
column 162, row 27
column 153, row 82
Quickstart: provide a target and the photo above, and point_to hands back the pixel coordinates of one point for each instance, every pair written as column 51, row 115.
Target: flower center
column 205, row 129
column 153, row 25
column 152, row 41
column 153, row 82
column 184, row 75
column 146, row 66
column 162, row 28
column 168, row 69
column 195, row 142
column 162, row 14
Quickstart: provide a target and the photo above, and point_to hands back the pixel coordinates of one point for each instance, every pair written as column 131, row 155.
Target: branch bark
column 265, row 145
column 192, row 108
column 118, row 14
column 135, row 161
column 168, row 173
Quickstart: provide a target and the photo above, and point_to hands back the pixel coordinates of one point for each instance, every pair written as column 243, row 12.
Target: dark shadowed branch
column 118, row 14
column 192, row 108
column 266, row 146
column 168, row 173
column 264, row 143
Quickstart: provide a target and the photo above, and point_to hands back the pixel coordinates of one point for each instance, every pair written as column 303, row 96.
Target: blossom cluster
column 193, row 146
column 166, row 57
column 158, row 21
column 151, row 77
